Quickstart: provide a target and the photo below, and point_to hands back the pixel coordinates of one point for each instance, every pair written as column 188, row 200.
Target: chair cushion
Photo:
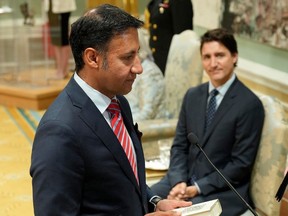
column 183, row 70
column 271, row 158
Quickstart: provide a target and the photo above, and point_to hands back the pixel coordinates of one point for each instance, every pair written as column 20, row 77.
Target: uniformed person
column 164, row 19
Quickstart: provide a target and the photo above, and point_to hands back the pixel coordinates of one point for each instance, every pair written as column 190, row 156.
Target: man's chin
column 127, row 91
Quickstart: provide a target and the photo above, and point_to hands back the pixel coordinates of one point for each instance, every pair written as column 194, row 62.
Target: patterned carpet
column 17, row 129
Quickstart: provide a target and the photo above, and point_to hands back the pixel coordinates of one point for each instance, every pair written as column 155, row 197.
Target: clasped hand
column 182, row 192
column 175, row 199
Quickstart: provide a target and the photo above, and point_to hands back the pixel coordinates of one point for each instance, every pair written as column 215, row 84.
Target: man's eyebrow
column 206, row 54
column 220, row 53
column 131, row 52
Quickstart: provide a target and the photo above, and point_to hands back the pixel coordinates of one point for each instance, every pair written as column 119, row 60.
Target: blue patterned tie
column 211, row 108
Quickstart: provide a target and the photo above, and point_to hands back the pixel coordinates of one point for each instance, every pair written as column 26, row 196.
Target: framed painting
column 265, row 21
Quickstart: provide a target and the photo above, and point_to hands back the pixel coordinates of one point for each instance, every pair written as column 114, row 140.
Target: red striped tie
column 121, row 133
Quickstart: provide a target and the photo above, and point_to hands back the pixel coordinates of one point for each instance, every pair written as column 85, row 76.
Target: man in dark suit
column 230, row 140
column 166, row 18
column 79, row 166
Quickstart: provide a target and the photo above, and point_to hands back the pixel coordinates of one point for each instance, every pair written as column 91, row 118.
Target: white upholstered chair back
column 268, row 171
column 183, row 70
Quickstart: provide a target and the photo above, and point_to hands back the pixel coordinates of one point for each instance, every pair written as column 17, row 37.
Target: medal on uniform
column 163, row 6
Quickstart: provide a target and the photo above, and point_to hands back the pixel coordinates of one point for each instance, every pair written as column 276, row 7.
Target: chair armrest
column 157, row 129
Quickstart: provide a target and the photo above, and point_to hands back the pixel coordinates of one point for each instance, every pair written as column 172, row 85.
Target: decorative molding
column 263, row 75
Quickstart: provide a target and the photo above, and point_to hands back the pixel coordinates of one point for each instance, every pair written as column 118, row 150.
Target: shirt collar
column 100, row 100
column 224, row 88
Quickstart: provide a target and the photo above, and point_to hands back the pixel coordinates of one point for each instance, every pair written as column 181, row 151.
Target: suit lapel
column 201, row 112
column 135, row 137
column 228, row 101
column 97, row 123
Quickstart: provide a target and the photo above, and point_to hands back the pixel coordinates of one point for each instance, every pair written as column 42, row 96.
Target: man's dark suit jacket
column 78, row 165
column 231, row 143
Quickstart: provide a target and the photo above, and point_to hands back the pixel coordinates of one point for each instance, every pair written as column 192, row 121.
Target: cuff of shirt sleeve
column 197, row 187
column 154, row 201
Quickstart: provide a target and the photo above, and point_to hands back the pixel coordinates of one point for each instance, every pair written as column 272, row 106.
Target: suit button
column 154, row 26
column 154, row 38
column 153, row 50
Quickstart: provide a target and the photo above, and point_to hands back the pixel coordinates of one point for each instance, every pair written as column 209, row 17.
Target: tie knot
column 114, row 107
column 214, row 92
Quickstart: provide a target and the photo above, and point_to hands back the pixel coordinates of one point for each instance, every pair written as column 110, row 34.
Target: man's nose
column 213, row 62
column 137, row 67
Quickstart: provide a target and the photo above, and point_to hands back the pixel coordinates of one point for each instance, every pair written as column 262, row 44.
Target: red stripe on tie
column 120, row 131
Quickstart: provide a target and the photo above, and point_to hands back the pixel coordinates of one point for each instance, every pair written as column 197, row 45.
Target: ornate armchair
column 183, row 70
column 270, row 162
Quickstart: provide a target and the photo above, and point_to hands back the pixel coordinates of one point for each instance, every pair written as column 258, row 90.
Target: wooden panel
column 284, row 205
column 130, row 6
column 31, row 96
column 94, row 3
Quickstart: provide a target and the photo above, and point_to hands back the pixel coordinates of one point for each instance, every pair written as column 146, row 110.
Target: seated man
column 147, row 95
column 229, row 132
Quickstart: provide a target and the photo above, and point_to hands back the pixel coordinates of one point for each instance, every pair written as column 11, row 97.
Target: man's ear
column 91, row 57
column 235, row 58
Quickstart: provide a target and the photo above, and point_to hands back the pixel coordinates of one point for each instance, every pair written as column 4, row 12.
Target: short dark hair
column 222, row 36
column 97, row 28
